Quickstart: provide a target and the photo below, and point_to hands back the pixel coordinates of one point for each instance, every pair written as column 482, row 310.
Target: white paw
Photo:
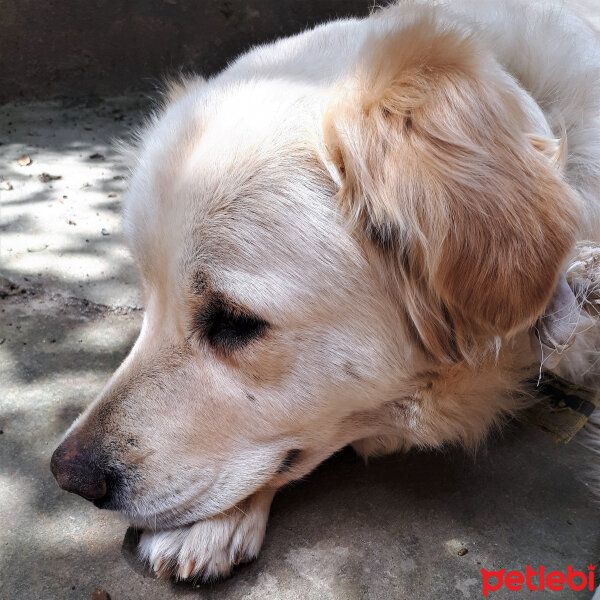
column 210, row 548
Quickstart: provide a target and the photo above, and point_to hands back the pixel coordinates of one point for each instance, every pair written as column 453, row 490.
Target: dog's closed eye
column 226, row 326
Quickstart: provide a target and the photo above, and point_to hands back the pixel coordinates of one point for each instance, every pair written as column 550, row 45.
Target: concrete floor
column 70, row 310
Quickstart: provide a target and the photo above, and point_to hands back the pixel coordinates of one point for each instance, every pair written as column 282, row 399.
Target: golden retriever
column 346, row 237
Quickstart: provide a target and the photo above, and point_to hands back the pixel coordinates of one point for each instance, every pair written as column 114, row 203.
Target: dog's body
column 345, row 237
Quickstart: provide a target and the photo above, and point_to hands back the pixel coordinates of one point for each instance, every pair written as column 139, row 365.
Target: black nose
column 76, row 469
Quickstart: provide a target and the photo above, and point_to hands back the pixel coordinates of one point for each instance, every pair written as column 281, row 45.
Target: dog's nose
column 74, row 466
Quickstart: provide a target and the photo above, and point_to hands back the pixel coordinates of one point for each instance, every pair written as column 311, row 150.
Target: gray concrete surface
column 70, row 310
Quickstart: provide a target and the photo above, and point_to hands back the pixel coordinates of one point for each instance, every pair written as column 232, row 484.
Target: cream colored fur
column 384, row 193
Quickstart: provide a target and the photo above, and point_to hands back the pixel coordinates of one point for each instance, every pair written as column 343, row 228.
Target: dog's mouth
column 289, row 460
column 186, row 513
column 178, row 517
column 168, row 519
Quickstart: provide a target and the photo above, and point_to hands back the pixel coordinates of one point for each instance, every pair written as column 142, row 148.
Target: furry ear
column 438, row 170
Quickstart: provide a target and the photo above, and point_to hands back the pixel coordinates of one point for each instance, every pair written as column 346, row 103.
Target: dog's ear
column 438, row 170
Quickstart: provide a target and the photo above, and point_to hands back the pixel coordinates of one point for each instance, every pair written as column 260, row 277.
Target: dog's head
column 311, row 250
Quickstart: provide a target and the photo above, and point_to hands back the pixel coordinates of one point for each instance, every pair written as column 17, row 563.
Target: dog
column 349, row 236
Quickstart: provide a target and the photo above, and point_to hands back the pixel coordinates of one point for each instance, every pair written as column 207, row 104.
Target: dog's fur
column 345, row 237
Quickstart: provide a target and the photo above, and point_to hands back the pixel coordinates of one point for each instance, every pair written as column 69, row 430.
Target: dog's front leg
column 209, row 548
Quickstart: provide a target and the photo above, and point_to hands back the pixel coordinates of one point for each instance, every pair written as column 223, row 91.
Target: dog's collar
column 564, row 408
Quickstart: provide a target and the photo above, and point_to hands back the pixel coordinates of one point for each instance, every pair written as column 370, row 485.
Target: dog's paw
column 208, row 549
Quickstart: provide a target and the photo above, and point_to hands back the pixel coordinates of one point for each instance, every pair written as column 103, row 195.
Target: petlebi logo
column 538, row 580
